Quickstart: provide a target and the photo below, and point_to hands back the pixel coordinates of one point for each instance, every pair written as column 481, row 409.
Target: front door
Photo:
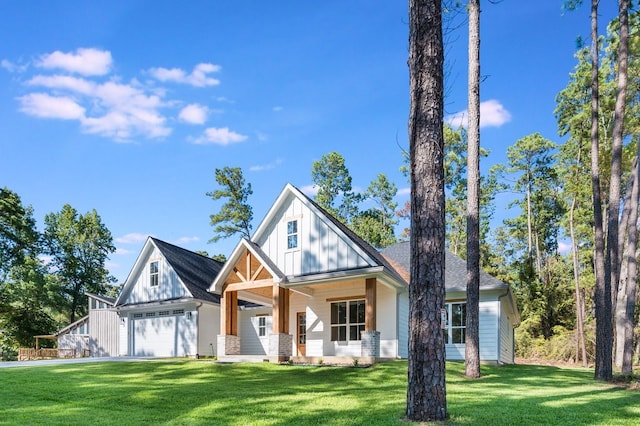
column 301, row 333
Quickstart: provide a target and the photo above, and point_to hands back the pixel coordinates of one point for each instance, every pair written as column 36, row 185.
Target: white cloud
column 12, row 67
column 219, row 136
column 262, row 137
column 564, row 248
column 132, row 238
column 492, row 114
column 121, row 252
column 404, row 191
column 186, row 240
column 265, row 167
column 74, row 84
column 46, row 106
column 310, row 190
column 194, row 114
column 277, row 108
column 83, row 61
column 199, row 77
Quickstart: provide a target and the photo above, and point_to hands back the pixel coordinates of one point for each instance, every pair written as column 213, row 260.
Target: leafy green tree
column 29, row 301
column 376, row 225
column 236, row 214
column 79, row 246
column 335, row 193
column 18, row 235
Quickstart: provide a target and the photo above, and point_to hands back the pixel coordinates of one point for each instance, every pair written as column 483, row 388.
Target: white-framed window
column 262, row 326
column 347, row 320
column 150, row 314
column 178, row 312
column 163, row 313
column 292, row 234
column 456, row 322
column 154, row 273
column 138, row 315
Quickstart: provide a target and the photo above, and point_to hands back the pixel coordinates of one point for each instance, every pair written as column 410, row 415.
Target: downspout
column 198, row 328
column 500, row 328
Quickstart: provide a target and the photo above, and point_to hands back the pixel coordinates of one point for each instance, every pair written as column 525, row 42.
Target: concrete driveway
column 62, row 361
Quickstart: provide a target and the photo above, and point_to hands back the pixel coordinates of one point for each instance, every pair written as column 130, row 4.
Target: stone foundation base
column 370, row 344
column 280, row 346
column 228, row 345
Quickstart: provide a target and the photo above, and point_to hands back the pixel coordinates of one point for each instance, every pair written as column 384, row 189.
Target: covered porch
column 296, row 312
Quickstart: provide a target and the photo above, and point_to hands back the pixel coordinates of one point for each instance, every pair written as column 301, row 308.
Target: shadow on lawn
column 201, row 392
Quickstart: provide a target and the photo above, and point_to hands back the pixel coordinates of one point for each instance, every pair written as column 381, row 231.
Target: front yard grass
column 202, row 392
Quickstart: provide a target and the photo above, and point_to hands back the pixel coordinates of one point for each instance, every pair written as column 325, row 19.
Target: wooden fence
column 26, row 354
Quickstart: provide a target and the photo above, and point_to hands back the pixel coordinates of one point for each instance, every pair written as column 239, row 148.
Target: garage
column 166, row 333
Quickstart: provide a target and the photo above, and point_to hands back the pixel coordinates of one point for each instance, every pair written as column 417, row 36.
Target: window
column 456, row 325
column 347, row 320
column 163, row 313
column 137, row 315
column 150, row 314
column 178, row 312
column 153, row 273
column 292, row 234
column 262, row 326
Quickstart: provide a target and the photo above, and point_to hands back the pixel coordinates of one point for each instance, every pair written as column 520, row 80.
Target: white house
column 304, row 287
column 327, row 293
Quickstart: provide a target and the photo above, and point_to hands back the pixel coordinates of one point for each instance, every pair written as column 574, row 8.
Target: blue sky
column 128, row 107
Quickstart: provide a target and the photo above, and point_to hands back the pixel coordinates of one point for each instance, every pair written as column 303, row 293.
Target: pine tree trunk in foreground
column 472, row 337
column 602, row 296
column 426, row 391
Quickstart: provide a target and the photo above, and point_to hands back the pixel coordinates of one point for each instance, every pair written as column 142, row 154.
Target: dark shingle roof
column 455, row 275
column 194, row 270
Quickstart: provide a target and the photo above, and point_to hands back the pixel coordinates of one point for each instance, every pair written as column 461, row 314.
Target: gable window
column 456, row 325
column 347, row 320
column 292, row 234
column 262, row 326
column 154, row 272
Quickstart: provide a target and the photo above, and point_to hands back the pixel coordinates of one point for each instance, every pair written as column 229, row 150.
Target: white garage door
column 161, row 334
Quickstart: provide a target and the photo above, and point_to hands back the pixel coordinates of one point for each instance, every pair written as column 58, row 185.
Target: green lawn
column 202, row 392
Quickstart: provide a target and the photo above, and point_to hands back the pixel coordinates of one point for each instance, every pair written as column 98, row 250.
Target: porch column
column 228, row 340
column 280, row 341
column 370, row 304
column 370, row 338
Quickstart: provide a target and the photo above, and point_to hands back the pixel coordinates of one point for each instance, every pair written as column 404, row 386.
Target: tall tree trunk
column 576, row 279
column 472, row 338
column 426, row 390
column 623, row 253
column 626, row 321
column 602, row 297
column 616, row 149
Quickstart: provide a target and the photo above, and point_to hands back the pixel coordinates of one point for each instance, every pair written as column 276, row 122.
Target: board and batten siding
column 123, row 349
column 77, row 342
column 208, row 325
column 251, row 343
column 104, row 338
column 506, row 338
column 403, row 325
column 169, row 286
column 320, row 249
